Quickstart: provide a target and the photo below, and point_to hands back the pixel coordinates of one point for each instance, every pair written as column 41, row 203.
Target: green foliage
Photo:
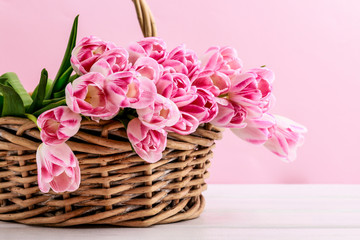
column 12, row 104
column 31, row 117
column 65, row 70
column 59, row 94
column 50, row 106
column 48, row 86
column 39, row 93
column 60, row 85
column 10, row 79
column 14, row 99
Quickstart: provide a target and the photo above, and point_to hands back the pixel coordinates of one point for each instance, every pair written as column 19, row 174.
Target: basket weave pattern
column 117, row 187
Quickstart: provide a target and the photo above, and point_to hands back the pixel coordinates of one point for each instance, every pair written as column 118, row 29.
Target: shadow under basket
column 117, row 186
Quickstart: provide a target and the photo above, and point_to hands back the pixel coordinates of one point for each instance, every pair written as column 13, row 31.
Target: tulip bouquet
column 152, row 90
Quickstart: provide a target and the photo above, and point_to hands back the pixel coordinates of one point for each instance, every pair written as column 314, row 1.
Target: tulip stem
column 223, row 95
column 32, row 118
column 73, row 77
column 130, row 116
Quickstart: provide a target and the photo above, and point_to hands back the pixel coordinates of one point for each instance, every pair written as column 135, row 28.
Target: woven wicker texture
column 145, row 18
column 117, row 186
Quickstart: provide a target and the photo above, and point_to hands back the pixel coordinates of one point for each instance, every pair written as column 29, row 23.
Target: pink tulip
column 186, row 125
column 130, row 89
column 256, row 130
column 245, row 91
column 112, row 61
column 222, row 59
column 173, row 66
column 253, row 90
column 148, row 67
column 152, row 47
column 162, row 113
column 89, row 96
column 183, row 60
column 264, row 77
column 286, row 137
column 230, row 115
column 87, row 52
column 58, row 168
column 177, row 87
column 215, row 81
column 92, row 49
column 204, row 107
column 220, row 64
column 147, row 143
column 58, row 125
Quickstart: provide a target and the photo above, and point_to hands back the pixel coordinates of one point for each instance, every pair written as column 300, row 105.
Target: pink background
column 313, row 47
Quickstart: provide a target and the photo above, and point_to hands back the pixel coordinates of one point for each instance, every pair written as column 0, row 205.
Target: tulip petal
column 56, row 167
column 148, row 68
column 148, row 93
column 147, row 143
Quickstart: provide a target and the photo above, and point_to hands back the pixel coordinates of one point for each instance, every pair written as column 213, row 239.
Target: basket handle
column 145, row 17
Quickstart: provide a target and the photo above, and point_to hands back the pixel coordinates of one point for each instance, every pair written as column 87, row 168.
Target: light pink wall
column 313, row 46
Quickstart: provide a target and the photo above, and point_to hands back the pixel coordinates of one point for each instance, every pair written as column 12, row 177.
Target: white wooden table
column 248, row 212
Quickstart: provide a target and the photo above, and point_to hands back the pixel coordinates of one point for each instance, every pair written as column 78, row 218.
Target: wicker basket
column 117, row 187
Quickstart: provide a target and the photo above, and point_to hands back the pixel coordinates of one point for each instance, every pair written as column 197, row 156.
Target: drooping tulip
column 58, row 168
column 286, row 137
column 147, row 143
column 256, row 130
column 230, row 115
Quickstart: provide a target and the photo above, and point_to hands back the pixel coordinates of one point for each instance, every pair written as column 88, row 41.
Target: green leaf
column 50, row 106
column 39, row 93
column 62, row 81
column 48, row 86
column 53, row 100
column 59, row 94
column 34, row 93
column 11, row 79
column 65, row 64
column 1, row 103
column 12, row 104
column 3, row 80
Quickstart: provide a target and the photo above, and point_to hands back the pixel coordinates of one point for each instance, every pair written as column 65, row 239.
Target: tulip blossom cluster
column 153, row 91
